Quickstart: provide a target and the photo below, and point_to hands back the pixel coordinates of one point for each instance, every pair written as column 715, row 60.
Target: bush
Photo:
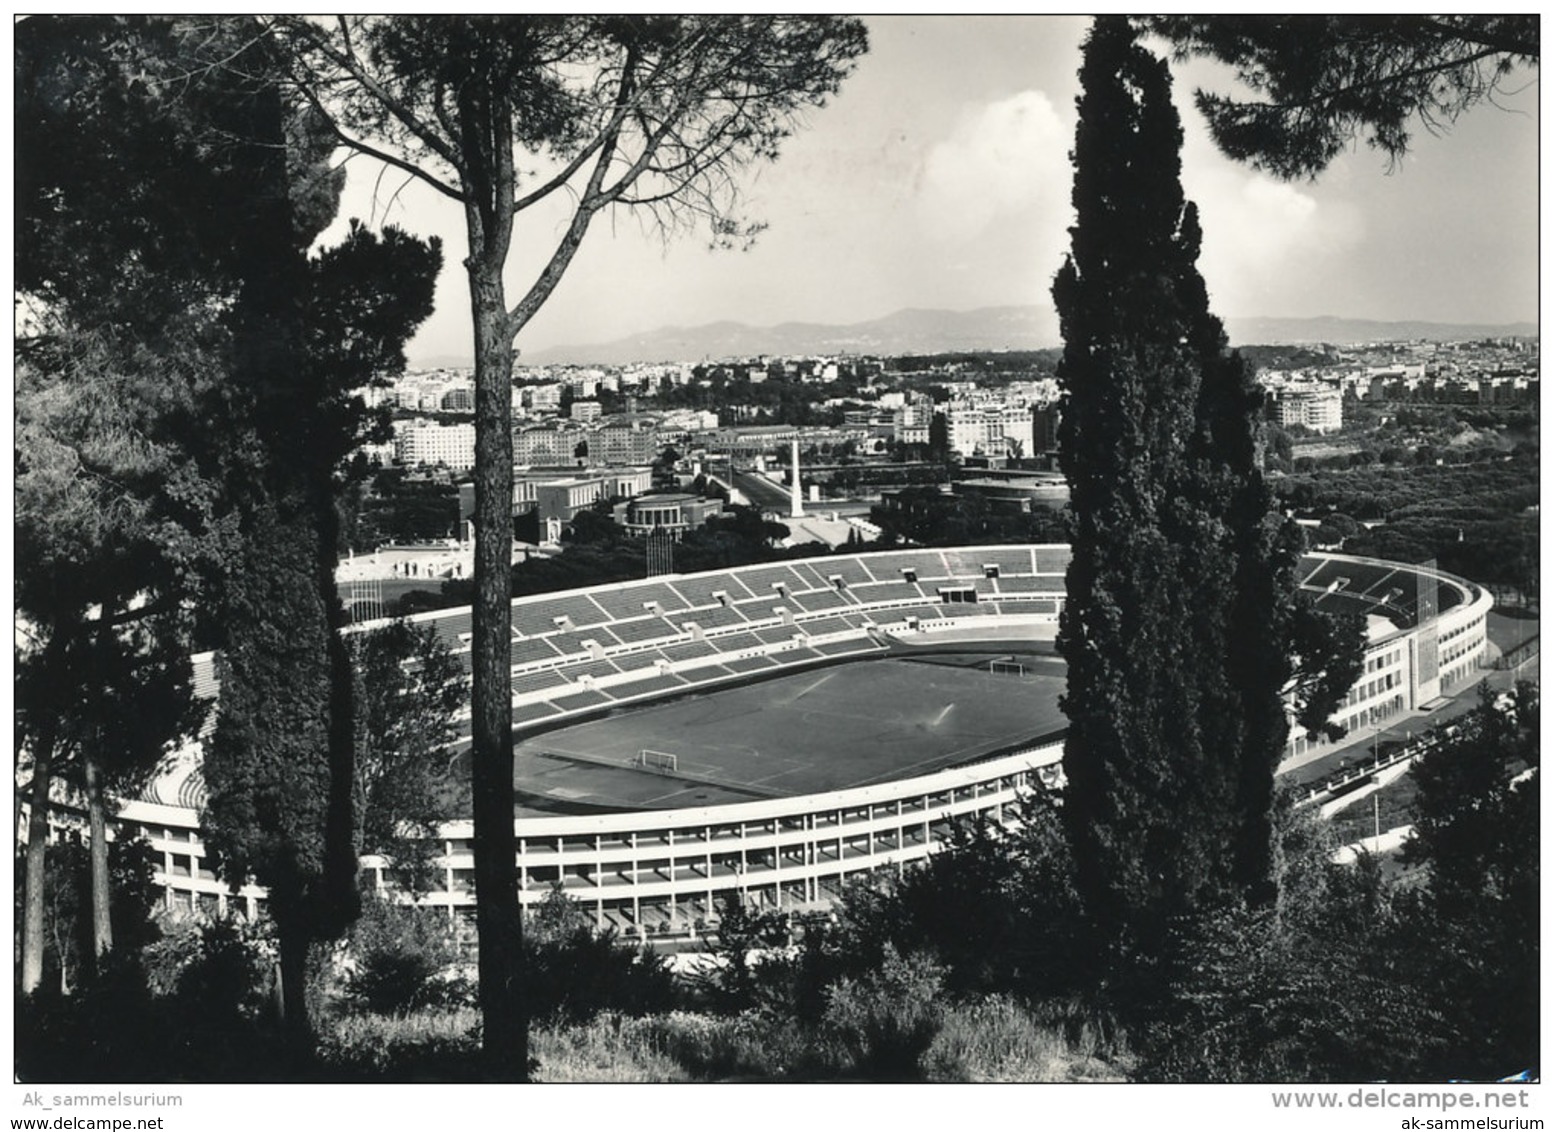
column 571, row 972
column 610, row 1048
column 747, row 1047
column 195, row 1003
column 997, row 909
column 404, row 959
column 887, row 1019
column 767, row 963
column 225, row 965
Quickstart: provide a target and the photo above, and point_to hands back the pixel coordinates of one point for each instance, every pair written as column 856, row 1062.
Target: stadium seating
column 1008, row 584
column 819, row 600
column 549, row 678
column 851, row 570
column 1051, row 559
column 736, row 642
column 642, row 630
column 703, row 590
column 638, row 643
column 647, row 684
column 688, row 650
column 532, row 651
column 715, row 617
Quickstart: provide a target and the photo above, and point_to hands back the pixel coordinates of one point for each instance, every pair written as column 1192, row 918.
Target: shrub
column 223, row 965
column 404, row 959
column 571, row 972
column 610, row 1048
column 196, row 1003
column 887, row 1019
column 996, row 908
column 749, row 1046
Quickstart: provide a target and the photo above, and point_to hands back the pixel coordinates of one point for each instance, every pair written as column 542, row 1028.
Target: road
column 762, row 492
column 1362, row 743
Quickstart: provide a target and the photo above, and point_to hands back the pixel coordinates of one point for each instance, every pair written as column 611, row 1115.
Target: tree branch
column 1470, row 34
column 1322, row 97
column 382, row 155
column 352, row 66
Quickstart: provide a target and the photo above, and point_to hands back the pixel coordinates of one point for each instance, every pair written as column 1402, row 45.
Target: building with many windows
column 553, row 443
column 1319, row 408
column 560, row 492
column 625, row 440
column 426, row 443
column 989, row 430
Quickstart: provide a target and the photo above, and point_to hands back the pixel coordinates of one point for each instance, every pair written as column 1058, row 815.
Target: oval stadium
column 766, row 733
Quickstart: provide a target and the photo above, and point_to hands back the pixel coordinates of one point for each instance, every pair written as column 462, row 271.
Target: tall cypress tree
column 309, row 331
column 1178, row 585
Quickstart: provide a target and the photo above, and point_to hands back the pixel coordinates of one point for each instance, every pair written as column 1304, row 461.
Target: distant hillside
column 938, row 331
column 1348, row 331
column 904, row 332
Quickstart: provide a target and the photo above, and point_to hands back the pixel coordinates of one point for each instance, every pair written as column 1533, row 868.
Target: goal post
column 1006, row 667
column 658, row 760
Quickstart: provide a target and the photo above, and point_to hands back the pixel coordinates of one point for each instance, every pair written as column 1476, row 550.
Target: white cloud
column 1264, row 241
column 1005, row 159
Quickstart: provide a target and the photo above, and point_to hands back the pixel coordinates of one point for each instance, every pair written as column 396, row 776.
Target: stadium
column 766, row 733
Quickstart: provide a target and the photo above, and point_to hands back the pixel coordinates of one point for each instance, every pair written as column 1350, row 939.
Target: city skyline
column 939, row 178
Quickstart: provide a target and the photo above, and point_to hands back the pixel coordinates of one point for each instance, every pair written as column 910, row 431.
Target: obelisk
column 796, row 511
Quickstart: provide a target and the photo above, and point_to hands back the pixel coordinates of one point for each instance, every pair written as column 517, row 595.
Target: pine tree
column 1179, row 582
column 191, row 359
column 656, row 113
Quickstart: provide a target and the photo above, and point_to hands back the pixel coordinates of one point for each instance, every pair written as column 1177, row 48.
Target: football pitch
column 823, row 729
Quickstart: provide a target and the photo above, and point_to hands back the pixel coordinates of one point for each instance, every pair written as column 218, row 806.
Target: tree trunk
column 341, row 856
column 293, row 940
column 37, row 853
column 97, row 821
column 498, row 917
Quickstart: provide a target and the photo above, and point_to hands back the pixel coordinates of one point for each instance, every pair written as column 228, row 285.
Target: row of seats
column 643, row 612
column 588, row 648
column 1372, row 587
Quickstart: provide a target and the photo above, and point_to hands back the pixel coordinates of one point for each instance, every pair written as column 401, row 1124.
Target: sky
column 939, row 178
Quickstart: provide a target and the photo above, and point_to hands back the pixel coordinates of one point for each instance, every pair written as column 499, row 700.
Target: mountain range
column 942, row 331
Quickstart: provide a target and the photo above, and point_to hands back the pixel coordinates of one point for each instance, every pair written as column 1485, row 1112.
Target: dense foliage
column 928, row 516
column 190, row 356
column 1319, row 81
column 1476, row 520
column 119, row 343
column 308, row 331
column 409, row 690
column 393, row 507
column 1176, row 623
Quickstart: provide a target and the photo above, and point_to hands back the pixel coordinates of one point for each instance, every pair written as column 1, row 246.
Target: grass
column 610, row 1049
column 996, row 1040
column 1358, row 820
column 987, row 1041
column 992, row 1040
column 427, row 1045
